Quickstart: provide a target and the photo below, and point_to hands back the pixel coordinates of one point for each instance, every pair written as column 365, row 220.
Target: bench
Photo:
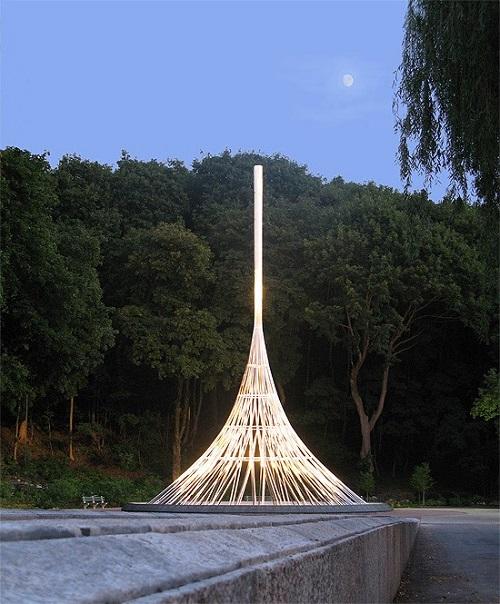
column 94, row 501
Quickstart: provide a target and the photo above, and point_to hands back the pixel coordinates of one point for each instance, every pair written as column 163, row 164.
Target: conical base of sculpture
column 257, row 459
column 246, row 509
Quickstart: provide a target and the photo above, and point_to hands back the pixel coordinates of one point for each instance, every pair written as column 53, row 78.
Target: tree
column 183, row 300
column 366, row 479
column 167, row 322
column 378, row 277
column 147, row 193
column 487, row 404
column 31, row 264
column 84, row 191
column 54, row 324
column 87, row 330
column 448, row 86
column 421, row 480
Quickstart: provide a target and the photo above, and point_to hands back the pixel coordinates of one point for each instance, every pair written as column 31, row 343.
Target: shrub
column 125, row 456
column 437, row 502
column 367, row 480
column 421, row 480
column 52, row 482
column 6, row 491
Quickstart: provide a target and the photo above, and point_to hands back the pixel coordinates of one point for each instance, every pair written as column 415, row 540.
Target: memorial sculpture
column 257, row 460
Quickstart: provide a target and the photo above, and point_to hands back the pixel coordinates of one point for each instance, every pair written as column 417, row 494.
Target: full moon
column 347, row 80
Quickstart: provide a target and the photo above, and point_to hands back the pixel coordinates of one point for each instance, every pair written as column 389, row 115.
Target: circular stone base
column 358, row 508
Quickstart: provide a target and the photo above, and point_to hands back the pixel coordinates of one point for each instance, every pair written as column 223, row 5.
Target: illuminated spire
column 257, row 242
column 257, row 457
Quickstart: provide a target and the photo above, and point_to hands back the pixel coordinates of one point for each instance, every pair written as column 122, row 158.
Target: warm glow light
column 257, row 454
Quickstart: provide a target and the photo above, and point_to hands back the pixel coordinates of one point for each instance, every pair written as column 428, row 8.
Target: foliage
column 421, row 480
column 88, row 331
column 55, row 326
column 53, row 483
column 31, row 266
column 448, row 85
column 85, row 193
column 487, row 405
column 165, row 253
column 169, row 268
column 366, row 479
column 147, row 193
column 379, row 275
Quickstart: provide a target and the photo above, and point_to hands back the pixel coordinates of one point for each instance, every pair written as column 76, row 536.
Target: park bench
column 94, row 501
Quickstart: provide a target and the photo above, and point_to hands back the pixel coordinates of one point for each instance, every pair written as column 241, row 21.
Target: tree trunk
column 364, row 422
column 50, row 437
column 23, row 432
column 14, row 455
column 22, row 437
column 197, row 403
column 176, row 457
column 381, row 399
column 367, row 424
column 71, row 415
column 366, row 440
column 176, row 433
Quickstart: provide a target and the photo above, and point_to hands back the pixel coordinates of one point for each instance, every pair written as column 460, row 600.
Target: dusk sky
column 178, row 79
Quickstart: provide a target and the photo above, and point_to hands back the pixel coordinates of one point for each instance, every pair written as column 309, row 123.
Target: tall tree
column 30, row 262
column 378, row 277
column 184, row 300
column 447, row 96
column 87, row 331
column 55, row 326
column 168, row 323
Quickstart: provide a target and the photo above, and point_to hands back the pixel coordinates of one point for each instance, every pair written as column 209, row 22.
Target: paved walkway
column 455, row 559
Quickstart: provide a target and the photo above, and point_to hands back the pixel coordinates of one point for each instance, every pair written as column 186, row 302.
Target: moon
column 347, row 80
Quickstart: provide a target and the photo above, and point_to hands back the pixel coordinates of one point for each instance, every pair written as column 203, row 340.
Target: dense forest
column 127, row 316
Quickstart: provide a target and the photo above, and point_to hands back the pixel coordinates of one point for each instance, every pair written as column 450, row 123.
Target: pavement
column 455, row 558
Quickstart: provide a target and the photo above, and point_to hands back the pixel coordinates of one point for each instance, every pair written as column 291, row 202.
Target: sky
column 179, row 80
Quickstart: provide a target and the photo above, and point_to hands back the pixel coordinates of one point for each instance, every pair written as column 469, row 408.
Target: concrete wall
column 78, row 556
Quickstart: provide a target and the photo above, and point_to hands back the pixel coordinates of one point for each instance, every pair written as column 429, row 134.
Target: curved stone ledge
column 152, row 558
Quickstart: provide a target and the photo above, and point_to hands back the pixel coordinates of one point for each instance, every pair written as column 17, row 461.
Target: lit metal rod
column 257, row 230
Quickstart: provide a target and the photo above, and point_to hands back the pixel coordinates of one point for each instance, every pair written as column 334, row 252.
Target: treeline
column 127, row 313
